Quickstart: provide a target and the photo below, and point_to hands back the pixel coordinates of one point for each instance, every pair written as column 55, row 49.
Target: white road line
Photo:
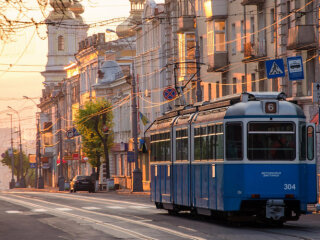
column 84, row 198
column 138, row 207
column 64, row 209
column 140, row 223
column 74, row 216
column 13, row 212
column 115, row 207
column 91, row 208
column 189, row 229
column 39, row 210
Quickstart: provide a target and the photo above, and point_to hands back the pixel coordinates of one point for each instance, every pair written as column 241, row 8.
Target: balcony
column 254, row 51
column 252, row 2
column 217, row 62
column 301, row 37
column 186, row 24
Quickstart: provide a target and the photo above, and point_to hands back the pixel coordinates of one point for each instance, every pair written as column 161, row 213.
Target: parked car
column 82, row 183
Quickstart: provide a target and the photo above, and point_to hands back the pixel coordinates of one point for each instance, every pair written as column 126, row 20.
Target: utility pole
column 22, row 183
column 137, row 174
column 199, row 90
column 38, row 181
column 12, row 183
column 61, row 178
column 197, row 53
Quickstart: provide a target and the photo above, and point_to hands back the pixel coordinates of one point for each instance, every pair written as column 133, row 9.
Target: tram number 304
column 289, row 186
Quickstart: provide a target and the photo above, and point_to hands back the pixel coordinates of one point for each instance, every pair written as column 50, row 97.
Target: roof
column 253, row 108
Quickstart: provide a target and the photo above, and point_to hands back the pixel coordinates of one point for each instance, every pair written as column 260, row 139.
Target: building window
column 209, row 91
column 288, row 13
column 252, row 30
column 217, row 89
column 187, row 49
column 60, row 43
column 242, row 35
column 216, row 31
column 234, row 86
column 253, row 82
column 272, row 21
column 244, row 84
column 233, row 39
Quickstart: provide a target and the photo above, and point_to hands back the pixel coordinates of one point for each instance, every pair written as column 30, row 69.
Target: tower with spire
column 65, row 29
column 124, row 29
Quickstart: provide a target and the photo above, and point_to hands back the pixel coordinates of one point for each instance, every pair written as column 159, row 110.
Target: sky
column 25, row 56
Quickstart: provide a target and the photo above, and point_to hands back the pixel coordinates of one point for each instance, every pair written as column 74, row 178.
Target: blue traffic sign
column 170, row 93
column 275, row 68
column 295, row 68
column 32, row 165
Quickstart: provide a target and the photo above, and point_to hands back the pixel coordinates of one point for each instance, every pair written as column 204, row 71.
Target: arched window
column 60, row 43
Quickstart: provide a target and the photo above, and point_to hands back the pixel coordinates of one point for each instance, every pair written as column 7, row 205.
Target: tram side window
column 211, row 143
column 234, row 141
column 197, row 144
column 302, row 140
column 182, row 144
column 160, row 147
column 219, row 142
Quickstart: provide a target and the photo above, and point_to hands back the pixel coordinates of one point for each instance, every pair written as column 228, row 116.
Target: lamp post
column 39, row 183
column 12, row 183
column 137, row 173
column 22, row 183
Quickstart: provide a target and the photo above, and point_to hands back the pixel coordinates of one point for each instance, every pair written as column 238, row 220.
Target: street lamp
column 12, row 183
column 39, row 183
column 22, row 183
column 137, row 174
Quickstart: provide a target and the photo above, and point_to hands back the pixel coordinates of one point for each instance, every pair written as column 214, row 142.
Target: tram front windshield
column 271, row 141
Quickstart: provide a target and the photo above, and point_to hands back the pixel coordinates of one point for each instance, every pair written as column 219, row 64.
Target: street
column 50, row 215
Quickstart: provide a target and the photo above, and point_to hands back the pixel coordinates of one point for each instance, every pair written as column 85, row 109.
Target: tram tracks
column 23, row 201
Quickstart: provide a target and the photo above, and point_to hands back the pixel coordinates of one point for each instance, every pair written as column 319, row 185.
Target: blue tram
column 252, row 155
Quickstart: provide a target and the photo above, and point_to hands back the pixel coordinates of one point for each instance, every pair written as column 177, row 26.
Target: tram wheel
column 173, row 212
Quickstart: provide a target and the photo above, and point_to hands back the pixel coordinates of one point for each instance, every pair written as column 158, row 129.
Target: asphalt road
column 42, row 215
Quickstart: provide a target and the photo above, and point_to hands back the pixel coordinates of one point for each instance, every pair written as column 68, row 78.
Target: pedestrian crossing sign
column 275, row 68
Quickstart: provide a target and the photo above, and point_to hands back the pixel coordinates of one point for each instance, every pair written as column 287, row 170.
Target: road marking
column 189, row 229
column 84, row 198
column 13, row 212
column 115, row 207
column 91, row 208
column 39, row 210
column 91, row 220
column 64, row 209
column 138, row 207
column 119, row 218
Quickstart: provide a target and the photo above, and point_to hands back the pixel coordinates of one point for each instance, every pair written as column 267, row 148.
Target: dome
column 124, row 29
column 76, row 8
column 60, row 5
column 58, row 15
column 110, row 71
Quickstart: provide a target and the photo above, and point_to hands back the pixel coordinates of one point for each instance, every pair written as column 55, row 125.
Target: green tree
column 28, row 173
column 89, row 122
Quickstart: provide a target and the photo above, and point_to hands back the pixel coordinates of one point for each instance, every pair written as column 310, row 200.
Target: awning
column 315, row 119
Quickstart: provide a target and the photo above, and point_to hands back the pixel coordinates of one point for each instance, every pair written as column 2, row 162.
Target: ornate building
column 65, row 29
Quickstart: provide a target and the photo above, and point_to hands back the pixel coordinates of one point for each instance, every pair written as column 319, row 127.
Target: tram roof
column 255, row 108
column 244, row 104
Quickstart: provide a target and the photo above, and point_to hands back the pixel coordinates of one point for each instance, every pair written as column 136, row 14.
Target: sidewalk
column 56, row 190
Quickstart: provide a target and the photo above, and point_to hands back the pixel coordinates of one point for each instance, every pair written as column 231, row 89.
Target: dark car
column 82, row 183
